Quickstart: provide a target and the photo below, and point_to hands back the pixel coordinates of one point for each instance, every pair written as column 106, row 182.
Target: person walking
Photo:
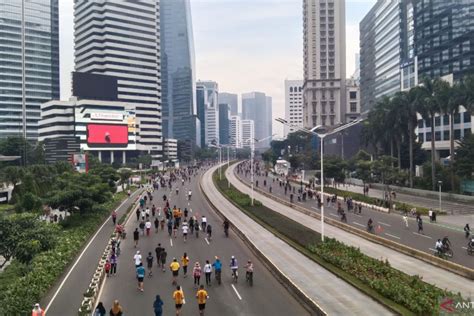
column 107, row 267
column 148, row 227
column 197, row 274
column 203, row 223
column 136, row 237
column 158, row 251
column 137, row 258
column 185, row 229
column 100, row 310
column 149, row 262
column 163, row 259
column 174, row 267
column 156, row 222
column 202, row 297
column 209, row 232
column 137, row 212
column 420, row 225
column 217, row 265
column 113, row 264
column 405, row 220
column 140, row 276
column 114, row 217
column 116, row 309
column 208, row 272
column 142, row 227
column 185, row 262
column 170, row 226
column 37, row 310
column 179, row 300
column 467, row 230
column 158, row 306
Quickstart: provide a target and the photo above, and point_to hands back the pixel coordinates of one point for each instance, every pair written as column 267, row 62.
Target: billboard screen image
column 107, row 134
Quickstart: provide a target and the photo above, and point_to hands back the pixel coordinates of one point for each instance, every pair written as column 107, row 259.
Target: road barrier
column 426, row 257
column 309, row 303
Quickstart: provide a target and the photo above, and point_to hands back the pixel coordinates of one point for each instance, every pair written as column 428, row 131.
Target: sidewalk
column 409, row 265
column 331, row 293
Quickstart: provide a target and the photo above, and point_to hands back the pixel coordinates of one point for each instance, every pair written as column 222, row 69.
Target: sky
column 243, row 45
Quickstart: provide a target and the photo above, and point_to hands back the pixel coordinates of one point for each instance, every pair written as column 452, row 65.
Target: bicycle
column 235, row 275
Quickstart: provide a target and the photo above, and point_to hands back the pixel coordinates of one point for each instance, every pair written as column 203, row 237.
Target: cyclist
column 226, row 227
column 249, row 272
column 234, row 267
column 467, row 230
column 217, row 265
column 439, row 246
column 446, row 243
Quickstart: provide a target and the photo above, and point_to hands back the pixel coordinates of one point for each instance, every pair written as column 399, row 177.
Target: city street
column 390, row 226
column 225, row 299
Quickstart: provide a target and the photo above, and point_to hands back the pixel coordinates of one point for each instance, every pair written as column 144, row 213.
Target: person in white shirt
column 147, row 213
column 405, row 220
column 439, row 246
column 148, row 227
column 203, row 223
column 207, row 272
column 143, row 214
column 137, row 258
column 185, row 229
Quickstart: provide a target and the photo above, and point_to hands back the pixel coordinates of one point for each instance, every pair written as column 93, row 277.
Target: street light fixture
column 321, row 131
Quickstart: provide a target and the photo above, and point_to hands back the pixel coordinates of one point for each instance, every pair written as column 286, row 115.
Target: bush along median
column 402, row 293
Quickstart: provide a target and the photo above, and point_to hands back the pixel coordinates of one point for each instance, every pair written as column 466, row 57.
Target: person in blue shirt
column 218, row 269
column 158, row 306
column 140, row 276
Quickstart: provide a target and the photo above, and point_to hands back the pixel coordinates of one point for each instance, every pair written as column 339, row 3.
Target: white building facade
column 324, row 38
column 170, row 149
column 248, row 133
column 352, row 100
column 293, row 105
column 235, row 131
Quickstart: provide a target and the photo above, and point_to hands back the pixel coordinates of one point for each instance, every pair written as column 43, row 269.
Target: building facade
column 224, row 118
column 256, row 106
column 178, row 71
column 208, row 111
column 248, row 133
column 293, row 105
column 122, row 39
column 235, row 131
column 353, row 100
column 230, row 99
column 29, row 64
column 324, row 40
column 170, row 149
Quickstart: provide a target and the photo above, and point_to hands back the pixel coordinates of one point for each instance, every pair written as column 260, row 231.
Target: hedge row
column 406, row 294
column 22, row 286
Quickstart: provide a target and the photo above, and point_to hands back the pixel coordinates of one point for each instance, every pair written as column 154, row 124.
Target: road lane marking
column 207, row 241
column 237, row 293
column 422, row 235
column 317, row 209
column 82, row 253
column 385, row 224
column 334, row 215
column 358, row 215
column 464, row 248
column 358, row 224
column 392, row 235
column 171, row 242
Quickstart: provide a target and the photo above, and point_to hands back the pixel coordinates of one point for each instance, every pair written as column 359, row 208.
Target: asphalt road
column 390, row 226
column 448, row 206
column 266, row 297
column 66, row 296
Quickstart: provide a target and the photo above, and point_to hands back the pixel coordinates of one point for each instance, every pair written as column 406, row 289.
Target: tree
column 334, row 167
column 465, row 157
column 12, row 175
column 125, row 174
column 18, row 146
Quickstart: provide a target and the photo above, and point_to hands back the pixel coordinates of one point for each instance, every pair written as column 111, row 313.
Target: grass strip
column 402, row 293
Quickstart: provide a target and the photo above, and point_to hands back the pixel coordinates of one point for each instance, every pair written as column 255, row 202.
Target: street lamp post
column 321, row 136
column 440, row 183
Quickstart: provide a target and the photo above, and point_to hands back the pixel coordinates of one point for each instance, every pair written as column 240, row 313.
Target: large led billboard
column 107, row 134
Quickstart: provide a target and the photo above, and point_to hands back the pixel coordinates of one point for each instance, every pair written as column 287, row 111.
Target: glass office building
column 178, row 71
column 444, row 37
column 29, row 63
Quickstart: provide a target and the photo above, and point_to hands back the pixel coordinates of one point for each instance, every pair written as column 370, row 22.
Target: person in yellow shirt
column 174, row 267
column 185, row 262
column 178, row 297
column 202, row 297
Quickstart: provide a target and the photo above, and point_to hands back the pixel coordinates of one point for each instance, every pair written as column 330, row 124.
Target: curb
column 308, row 302
column 428, row 258
column 98, row 280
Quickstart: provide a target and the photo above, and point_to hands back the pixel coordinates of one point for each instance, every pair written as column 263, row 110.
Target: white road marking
column 358, row 224
column 315, row 208
column 385, row 224
column 171, row 242
column 237, row 293
column 334, row 215
column 207, row 241
column 79, row 258
column 422, row 235
column 464, row 248
column 392, row 235
column 432, row 249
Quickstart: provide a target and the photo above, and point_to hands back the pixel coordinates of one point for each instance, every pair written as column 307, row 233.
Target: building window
column 353, row 94
column 428, row 136
column 467, row 117
column 437, row 121
column 353, row 106
column 420, row 137
column 437, row 136
column 457, row 134
column 467, row 132
column 420, row 123
column 457, row 118
column 445, row 120
column 445, row 135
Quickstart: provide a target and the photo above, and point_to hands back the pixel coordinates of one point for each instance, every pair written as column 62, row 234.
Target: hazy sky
column 244, row 45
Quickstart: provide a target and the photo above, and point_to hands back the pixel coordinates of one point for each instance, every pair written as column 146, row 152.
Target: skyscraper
column 324, row 40
column 224, row 118
column 248, row 132
column 208, row 111
column 230, row 99
column 29, row 63
column 178, row 71
column 256, row 106
column 123, row 40
column 293, row 105
column 235, row 131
